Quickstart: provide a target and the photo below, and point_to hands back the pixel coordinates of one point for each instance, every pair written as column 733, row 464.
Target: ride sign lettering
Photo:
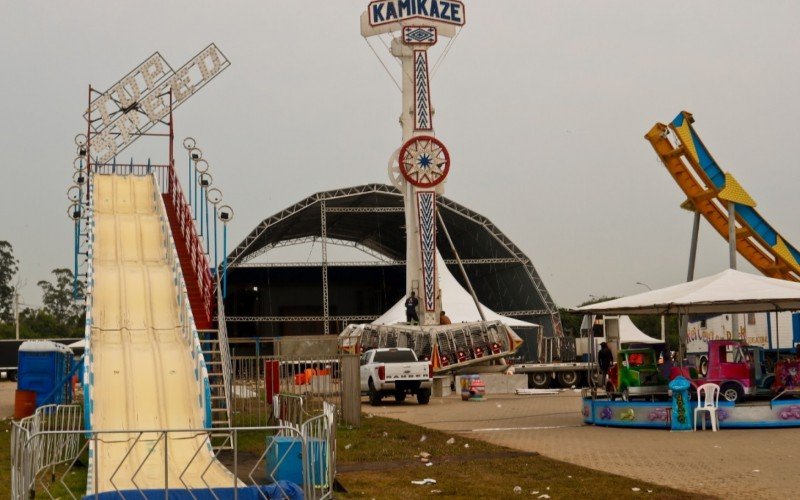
column 392, row 11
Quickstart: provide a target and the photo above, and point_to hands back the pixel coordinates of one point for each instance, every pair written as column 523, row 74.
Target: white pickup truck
column 395, row 372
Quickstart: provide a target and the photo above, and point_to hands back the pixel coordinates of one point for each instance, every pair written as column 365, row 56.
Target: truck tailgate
column 407, row 371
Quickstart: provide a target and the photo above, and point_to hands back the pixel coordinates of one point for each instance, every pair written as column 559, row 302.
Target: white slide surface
column 144, row 374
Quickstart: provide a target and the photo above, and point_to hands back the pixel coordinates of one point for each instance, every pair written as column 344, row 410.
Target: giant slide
column 708, row 189
column 146, row 372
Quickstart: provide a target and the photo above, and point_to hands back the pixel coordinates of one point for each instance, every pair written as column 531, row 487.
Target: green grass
column 482, row 470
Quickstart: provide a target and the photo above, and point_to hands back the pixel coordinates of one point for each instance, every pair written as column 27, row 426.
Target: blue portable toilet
column 43, row 368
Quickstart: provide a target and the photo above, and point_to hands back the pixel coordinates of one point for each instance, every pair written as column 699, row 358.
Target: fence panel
column 330, row 379
column 287, row 451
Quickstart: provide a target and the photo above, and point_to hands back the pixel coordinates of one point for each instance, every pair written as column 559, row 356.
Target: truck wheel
column 767, row 384
column 626, row 395
column 400, row 396
column 567, row 379
column 374, row 395
column 731, row 392
column 703, row 366
column 539, row 380
column 597, row 377
column 423, row 396
column 12, row 375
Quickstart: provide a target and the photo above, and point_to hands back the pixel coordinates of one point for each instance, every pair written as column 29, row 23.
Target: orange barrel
column 24, row 404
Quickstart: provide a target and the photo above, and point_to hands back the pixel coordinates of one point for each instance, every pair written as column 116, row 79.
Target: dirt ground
column 7, row 398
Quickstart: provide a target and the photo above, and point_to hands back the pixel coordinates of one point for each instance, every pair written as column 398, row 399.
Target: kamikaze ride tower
column 419, row 169
column 423, row 161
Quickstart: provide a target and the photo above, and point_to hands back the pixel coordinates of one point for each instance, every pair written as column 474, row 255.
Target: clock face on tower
column 424, row 161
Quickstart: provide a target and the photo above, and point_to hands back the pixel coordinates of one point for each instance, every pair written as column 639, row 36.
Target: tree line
column 60, row 316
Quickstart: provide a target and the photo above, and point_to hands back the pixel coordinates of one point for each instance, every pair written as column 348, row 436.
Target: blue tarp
column 281, row 489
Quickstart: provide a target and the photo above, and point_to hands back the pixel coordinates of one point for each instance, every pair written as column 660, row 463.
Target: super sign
column 391, row 11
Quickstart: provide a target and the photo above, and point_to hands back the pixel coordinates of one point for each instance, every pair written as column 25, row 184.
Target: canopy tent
column 456, row 302
column 730, row 291
column 81, row 344
column 628, row 332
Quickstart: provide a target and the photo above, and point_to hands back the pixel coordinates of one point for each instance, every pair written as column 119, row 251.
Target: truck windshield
column 394, row 357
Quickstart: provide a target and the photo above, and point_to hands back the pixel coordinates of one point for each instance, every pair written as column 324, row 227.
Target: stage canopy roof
column 371, row 218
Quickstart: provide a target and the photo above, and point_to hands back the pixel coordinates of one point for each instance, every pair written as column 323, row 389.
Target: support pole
column 16, row 313
column 461, row 266
column 732, row 233
column 324, row 236
column 689, row 275
column 215, row 242
column 189, row 179
column 693, row 247
column 75, row 259
column 732, row 256
column 225, row 261
column 201, row 191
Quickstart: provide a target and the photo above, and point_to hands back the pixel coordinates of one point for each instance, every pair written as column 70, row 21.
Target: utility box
column 43, row 369
column 284, row 459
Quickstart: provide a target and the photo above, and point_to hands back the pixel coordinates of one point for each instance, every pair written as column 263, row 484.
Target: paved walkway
column 761, row 463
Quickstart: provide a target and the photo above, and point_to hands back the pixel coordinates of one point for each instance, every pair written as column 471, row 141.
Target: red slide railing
column 194, row 261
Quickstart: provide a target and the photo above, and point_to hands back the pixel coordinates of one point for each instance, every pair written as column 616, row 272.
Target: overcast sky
column 542, row 105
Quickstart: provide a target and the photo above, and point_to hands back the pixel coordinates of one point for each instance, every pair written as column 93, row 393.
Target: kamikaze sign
column 391, row 11
column 143, row 98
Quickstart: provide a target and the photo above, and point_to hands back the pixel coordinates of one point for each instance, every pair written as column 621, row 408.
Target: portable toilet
column 43, row 369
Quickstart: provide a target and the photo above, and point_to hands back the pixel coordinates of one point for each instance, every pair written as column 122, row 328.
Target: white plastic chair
column 707, row 399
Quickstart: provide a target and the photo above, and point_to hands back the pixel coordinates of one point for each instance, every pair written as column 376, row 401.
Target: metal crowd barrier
column 47, row 448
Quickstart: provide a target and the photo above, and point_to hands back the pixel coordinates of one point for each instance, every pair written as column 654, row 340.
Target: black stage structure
column 281, row 299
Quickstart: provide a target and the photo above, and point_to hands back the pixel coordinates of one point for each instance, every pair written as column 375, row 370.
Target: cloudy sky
column 543, row 106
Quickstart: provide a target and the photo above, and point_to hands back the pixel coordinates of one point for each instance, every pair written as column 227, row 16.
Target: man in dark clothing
column 411, row 309
column 605, row 358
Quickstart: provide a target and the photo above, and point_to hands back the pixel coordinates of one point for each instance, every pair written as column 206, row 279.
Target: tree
column 9, row 266
column 58, row 297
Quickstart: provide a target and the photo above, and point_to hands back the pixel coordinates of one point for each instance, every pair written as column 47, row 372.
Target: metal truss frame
column 368, row 263
column 245, row 252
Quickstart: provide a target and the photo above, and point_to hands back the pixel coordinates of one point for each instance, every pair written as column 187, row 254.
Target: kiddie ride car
column 636, row 374
column 737, row 368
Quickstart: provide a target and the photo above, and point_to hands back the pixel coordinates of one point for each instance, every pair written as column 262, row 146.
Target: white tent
column 81, row 344
column 456, row 302
column 628, row 332
column 727, row 292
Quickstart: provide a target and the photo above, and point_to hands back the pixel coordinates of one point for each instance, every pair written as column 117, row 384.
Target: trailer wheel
column 731, row 391
column 568, row 379
column 12, row 375
column 539, row 380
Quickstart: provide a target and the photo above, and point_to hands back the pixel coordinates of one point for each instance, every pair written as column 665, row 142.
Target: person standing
column 411, row 309
column 605, row 358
